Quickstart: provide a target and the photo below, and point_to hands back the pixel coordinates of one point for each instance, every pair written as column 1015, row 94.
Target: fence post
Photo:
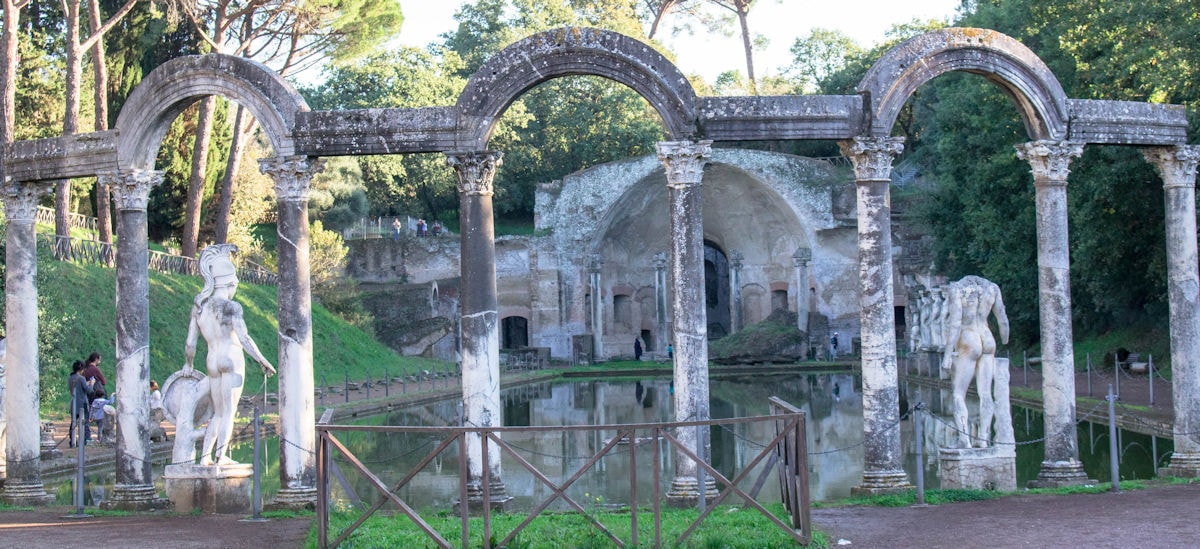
column 1025, row 365
column 1089, row 373
column 324, row 387
column 1117, row 374
column 346, row 386
column 387, row 383
column 1112, row 441
column 367, row 383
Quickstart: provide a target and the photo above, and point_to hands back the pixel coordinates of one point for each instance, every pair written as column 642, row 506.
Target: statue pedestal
column 992, row 468
column 223, row 489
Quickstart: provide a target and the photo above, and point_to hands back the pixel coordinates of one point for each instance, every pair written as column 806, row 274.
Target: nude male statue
column 971, row 350
column 219, row 319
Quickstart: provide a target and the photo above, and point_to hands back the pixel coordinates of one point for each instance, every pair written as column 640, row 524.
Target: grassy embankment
column 338, row 347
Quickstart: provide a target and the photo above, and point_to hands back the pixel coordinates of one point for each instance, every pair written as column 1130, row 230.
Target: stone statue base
column 875, row 483
column 222, row 489
column 25, row 493
column 1182, row 465
column 992, row 468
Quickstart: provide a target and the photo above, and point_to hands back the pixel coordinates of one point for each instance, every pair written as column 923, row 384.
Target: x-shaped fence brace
column 787, row 449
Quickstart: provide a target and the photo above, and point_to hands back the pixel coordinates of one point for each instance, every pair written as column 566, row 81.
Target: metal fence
column 94, row 252
column 786, row 450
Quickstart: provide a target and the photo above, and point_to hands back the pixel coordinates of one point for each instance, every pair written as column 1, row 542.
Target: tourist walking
column 95, row 378
column 77, row 387
column 396, row 228
column 637, row 348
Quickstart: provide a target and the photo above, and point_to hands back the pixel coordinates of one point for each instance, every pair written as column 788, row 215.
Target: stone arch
column 176, row 84
column 999, row 58
column 573, row 51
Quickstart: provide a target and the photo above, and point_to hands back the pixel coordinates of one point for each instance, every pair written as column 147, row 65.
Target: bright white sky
column 782, row 21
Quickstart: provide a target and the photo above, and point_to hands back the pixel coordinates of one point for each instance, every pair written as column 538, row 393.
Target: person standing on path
column 637, row 349
column 91, row 372
column 77, row 387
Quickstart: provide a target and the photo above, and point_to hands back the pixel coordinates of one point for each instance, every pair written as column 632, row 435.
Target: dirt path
column 47, row 528
column 1165, row 516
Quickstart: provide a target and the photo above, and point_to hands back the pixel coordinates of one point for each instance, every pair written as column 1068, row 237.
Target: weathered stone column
column 480, row 317
column 595, row 264
column 684, row 162
column 800, row 261
column 3, row 415
column 1178, row 168
column 134, row 488
column 736, row 261
column 297, row 406
column 660, row 302
column 883, row 469
column 22, row 451
column 1049, row 160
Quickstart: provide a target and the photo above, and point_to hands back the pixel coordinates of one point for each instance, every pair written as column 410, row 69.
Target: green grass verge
column 727, row 527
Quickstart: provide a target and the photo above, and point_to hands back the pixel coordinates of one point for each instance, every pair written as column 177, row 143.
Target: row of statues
column 928, row 311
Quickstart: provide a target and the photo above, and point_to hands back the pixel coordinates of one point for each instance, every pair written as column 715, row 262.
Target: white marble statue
column 926, row 320
column 938, row 324
column 971, row 351
column 219, row 319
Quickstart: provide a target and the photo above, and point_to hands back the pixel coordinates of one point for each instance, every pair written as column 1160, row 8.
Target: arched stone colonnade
column 1058, row 128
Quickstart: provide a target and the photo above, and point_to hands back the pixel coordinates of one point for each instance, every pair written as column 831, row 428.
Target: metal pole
column 256, row 502
column 324, row 387
column 1112, row 441
column 1025, row 363
column 1150, row 370
column 367, row 383
column 1089, row 373
column 346, row 386
column 387, row 383
column 1117, row 374
column 701, row 490
column 920, row 453
column 80, row 430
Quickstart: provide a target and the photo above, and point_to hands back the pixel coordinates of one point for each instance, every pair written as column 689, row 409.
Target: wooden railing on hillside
column 45, row 216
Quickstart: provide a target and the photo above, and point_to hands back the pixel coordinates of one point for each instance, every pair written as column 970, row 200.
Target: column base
column 1182, row 466
column 303, row 498
column 992, row 468
column 19, row 493
column 1057, row 474
column 135, row 497
column 882, row 482
column 498, row 498
column 685, row 491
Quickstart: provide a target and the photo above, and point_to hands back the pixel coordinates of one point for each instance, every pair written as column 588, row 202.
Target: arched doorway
column 716, row 290
column 514, row 332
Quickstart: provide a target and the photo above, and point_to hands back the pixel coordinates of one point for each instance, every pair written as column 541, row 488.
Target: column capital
column 595, row 263
column 130, row 188
column 21, row 199
column 872, row 156
column 802, row 256
column 292, row 175
column 660, row 260
column 736, row 259
column 684, row 161
column 1176, row 165
column 1049, row 159
column 476, row 170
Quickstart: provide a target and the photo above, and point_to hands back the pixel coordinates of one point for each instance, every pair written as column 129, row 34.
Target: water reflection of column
column 22, row 452
column 735, row 289
column 882, row 466
column 660, row 301
column 684, row 162
column 134, row 489
column 480, row 317
column 1049, row 161
column 1177, row 165
column 297, row 414
column 800, row 261
column 595, row 264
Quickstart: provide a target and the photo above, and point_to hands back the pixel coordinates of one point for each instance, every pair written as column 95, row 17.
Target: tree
column 75, row 46
column 821, row 54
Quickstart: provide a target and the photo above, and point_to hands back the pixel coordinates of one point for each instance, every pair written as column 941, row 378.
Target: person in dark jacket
column 92, row 374
column 77, row 387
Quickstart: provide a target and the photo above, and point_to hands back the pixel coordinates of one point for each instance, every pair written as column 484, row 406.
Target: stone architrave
column 736, row 262
column 134, row 488
column 480, row 320
column 595, row 266
column 883, row 469
column 800, row 261
column 1049, row 161
column 660, row 301
column 684, row 162
column 1177, row 165
column 297, row 412
column 22, row 452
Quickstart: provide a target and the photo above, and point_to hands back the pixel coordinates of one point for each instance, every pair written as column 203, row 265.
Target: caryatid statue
column 219, row 319
column 971, row 351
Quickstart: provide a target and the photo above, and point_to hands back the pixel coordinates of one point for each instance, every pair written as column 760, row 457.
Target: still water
column 831, row 401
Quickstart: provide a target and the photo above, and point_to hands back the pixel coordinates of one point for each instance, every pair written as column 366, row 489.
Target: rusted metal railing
column 95, row 252
column 787, row 449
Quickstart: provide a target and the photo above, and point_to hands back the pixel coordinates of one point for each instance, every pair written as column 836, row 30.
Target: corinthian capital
column 475, row 170
column 1177, row 165
column 684, row 161
column 872, row 156
column 21, row 199
column 292, row 175
column 131, row 188
column 1049, row 159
